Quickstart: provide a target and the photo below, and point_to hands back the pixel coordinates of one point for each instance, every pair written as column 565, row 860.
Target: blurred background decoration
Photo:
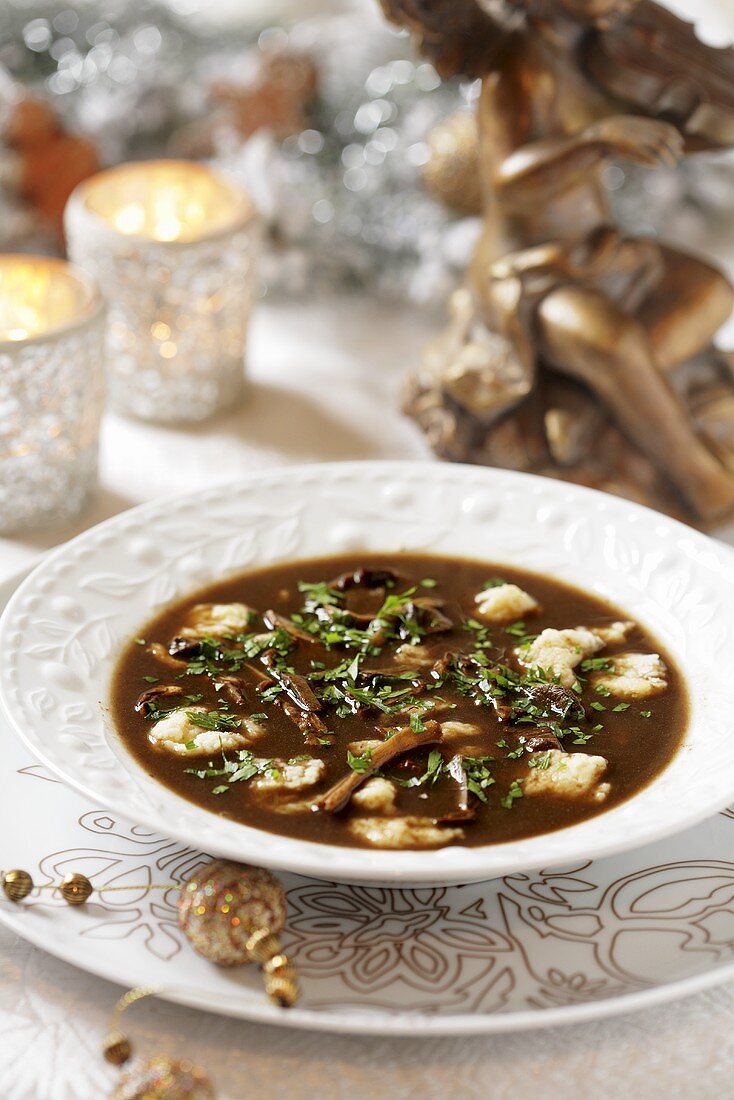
column 358, row 158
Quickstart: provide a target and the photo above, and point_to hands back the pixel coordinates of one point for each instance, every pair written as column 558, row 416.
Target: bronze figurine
column 574, row 350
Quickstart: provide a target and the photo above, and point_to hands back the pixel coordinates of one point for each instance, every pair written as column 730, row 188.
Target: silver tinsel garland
column 343, row 199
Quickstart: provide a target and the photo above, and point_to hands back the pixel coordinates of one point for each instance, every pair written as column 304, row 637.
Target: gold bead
column 263, row 945
column 280, row 966
column 117, row 1049
column 75, row 888
column 17, row 884
column 284, row 991
column 276, row 964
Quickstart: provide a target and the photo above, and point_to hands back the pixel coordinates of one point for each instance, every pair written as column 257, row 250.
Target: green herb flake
column 645, row 714
column 515, row 791
column 359, row 763
column 597, row 664
column 620, row 707
column 478, row 775
column 416, row 723
column 214, row 720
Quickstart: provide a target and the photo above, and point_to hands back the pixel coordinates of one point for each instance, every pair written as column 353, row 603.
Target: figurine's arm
column 543, row 168
column 524, row 170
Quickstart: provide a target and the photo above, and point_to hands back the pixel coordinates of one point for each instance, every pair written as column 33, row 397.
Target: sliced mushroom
column 234, row 688
column 311, row 725
column 183, row 649
column 364, row 577
column 542, row 741
column 428, row 612
column 554, row 699
column 295, row 686
column 464, row 811
column 159, row 651
column 156, row 693
column 274, row 621
column 424, row 611
column 404, row 740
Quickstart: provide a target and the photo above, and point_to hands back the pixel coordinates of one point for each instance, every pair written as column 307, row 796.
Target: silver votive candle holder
column 51, row 389
column 173, row 245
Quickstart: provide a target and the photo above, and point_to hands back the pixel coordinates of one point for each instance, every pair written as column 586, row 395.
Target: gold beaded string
column 263, row 946
column 154, row 1077
column 117, row 1048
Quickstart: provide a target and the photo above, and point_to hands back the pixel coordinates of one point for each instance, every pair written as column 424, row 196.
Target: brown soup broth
column 637, row 741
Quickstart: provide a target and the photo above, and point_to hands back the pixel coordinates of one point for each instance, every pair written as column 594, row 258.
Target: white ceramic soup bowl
column 64, row 627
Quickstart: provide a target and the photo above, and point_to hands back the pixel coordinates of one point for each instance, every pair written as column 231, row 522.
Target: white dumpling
column 179, row 733
column 297, row 776
column 217, row 620
column 402, row 832
column 573, row 775
column 504, row 603
column 634, row 676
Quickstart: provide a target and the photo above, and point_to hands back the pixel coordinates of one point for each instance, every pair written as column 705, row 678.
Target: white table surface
column 314, row 396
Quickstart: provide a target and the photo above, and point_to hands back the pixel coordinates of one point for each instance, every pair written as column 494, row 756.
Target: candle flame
column 39, row 294
column 165, row 200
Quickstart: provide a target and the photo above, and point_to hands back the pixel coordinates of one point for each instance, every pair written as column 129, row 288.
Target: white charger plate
column 526, row 951
column 62, row 630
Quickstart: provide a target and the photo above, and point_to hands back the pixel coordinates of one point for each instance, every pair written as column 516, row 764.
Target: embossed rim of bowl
column 101, row 587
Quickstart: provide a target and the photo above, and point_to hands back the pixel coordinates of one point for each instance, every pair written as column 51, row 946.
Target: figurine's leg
column 584, row 334
column 683, row 312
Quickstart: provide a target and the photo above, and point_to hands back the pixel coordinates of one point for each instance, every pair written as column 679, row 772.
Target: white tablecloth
column 324, row 386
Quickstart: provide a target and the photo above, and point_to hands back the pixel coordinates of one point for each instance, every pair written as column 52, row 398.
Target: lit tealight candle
column 40, row 295
column 173, row 245
column 51, row 389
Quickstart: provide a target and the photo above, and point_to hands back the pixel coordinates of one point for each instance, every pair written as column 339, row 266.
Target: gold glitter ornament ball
column 451, row 173
column 162, row 1078
column 223, row 903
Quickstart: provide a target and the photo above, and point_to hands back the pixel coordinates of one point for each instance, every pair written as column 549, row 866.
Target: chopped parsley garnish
column 478, row 775
column 514, row 792
column 597, row 664
column 645, row 714
column 214, row 720
column 620, row 707
column 239, row 767
column 318, row 594
column 517, row 630
column 359, row 763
